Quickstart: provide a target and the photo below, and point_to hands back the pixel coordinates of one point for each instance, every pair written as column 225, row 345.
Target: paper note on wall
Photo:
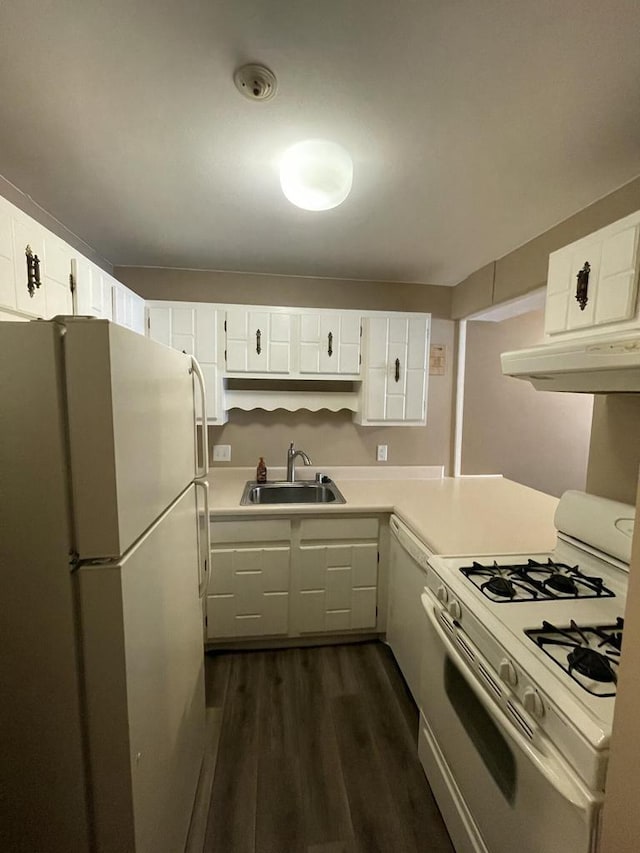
column 437, row 359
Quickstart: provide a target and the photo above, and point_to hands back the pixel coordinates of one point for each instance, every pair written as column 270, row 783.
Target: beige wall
column 254, row 289
column 331, row 438
column 537, row 438
column 525, row 268
column 614, row 455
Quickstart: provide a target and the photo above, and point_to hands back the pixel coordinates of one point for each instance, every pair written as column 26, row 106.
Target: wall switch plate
column 381, row 453
column 222, row 453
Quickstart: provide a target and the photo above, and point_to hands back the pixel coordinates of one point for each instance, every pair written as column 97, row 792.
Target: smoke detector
column 256, row 82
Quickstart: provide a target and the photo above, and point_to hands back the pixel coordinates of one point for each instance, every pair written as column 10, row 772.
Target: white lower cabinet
column 292, row 577
column 335, row 570
column 248, row 592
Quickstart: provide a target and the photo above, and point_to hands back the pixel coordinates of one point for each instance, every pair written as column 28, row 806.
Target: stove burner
column 500, row 586
column 589, row 654
column 592, row 664
column 561, row 583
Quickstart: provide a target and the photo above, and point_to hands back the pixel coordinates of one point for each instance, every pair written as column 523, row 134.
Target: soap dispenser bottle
column 261, row 471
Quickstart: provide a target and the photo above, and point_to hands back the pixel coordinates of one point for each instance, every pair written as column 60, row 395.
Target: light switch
column 381, row 454
column 222, row 453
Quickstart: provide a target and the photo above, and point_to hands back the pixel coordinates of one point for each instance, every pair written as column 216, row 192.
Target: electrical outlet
column 381, row 453
column 222, row 453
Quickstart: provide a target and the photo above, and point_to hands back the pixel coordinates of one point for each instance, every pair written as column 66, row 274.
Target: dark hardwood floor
column 317, row 753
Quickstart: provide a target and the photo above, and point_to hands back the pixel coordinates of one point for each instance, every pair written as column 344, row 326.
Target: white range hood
column 596, row 365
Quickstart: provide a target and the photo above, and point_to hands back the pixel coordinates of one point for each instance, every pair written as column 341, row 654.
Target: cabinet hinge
column 378, row 556
column 225, row 355
column 360, row 358
column 72, row 283
column 225, row 325
column 149, row 324
column 206, row 622
column 360, row 329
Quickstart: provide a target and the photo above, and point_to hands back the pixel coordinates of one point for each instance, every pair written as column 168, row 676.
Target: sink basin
column 301, row 492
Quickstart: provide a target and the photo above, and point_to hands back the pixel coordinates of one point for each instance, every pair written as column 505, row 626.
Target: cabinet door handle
column 33, row 271
column 330, row 344
column 582, row 290
column 258, row 344
column 397, row 369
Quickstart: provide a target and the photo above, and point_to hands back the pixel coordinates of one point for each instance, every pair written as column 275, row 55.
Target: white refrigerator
column 103, row 565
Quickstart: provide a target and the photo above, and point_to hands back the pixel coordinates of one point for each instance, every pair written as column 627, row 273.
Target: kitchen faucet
column 291, row 462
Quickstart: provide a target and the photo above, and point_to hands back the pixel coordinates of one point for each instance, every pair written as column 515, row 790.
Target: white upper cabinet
column 28, row 245
column 128, row 307
column 593, row 283
column 57, row 276
column 258, row 341
column 192, row 327
column 92, row 294
column 330, row 343
column 394, row 378
column 7, row 270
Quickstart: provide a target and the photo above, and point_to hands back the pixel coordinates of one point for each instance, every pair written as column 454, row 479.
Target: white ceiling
column 473, row 126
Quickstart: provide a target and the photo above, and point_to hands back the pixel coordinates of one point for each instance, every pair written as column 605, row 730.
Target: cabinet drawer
column 273, row 530
column 226, row 616
column 248, row 572
column 318, row 562
column 315, row 617
column 338, row 528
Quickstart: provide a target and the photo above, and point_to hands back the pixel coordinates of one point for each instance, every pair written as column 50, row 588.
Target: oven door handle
column 554, row 769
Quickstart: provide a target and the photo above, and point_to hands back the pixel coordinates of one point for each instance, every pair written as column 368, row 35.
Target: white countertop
column 473, row 516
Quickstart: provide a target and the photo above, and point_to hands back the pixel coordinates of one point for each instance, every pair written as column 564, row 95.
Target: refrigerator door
column 131, row 421
column 42, row 766
column 144, row 684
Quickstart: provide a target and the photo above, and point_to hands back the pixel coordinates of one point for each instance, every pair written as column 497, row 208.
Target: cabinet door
column 7, row 269
column 92, row 290
column 337, row 587
column 191, row 327
column 128, row 307
column 330, row 343
column 612, row 255
column 27, row 232
column 618, row 279
column 395, row 380
column 57, row 272
column 248, row 593
column 258, row 341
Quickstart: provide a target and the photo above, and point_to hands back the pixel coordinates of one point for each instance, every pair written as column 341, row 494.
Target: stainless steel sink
column 301, row 492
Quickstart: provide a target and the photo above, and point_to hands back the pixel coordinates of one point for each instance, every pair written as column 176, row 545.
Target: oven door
column 500, row 784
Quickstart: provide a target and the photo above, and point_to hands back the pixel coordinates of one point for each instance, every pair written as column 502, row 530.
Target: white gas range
column 518, row 683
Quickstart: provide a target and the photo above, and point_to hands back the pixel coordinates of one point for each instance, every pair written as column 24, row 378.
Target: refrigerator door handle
column 205, row 439
column 204, row 564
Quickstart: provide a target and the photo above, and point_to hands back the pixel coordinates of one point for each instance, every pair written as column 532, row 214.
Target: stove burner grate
column 590, row 655
column 533, row 581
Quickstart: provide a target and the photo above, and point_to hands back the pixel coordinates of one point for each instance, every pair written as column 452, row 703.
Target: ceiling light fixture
column 316, row 174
